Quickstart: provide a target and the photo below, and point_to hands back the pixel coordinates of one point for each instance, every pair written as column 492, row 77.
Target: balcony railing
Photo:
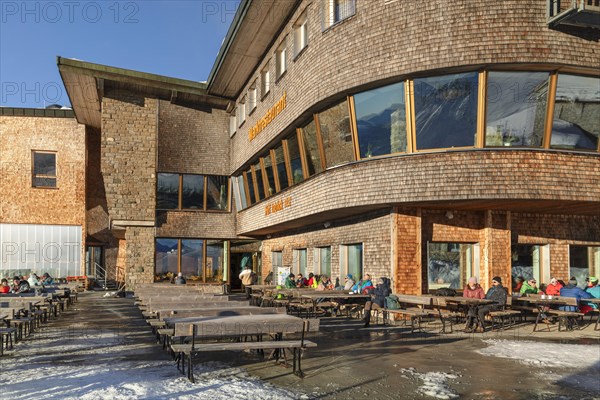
column 578, row 13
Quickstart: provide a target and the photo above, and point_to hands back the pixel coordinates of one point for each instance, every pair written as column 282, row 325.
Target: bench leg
column 297, row 359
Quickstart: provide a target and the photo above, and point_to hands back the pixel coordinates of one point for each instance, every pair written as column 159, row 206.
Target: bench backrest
column 187, row 299
column 220, row 312
column 195, row 304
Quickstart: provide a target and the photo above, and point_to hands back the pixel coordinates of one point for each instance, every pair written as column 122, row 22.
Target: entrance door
column 94, row 262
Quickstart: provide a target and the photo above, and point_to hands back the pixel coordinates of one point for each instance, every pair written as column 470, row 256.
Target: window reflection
column 215, row 256
column 449, row 265
column 259, row 181
column 446, row 111
column 191, row 258
column 576, row 122
column 337, row 137
column 295, row 159
column 311, row 145
column 166, row 258
column 281, row 169
column 270, row 176
column 167, row 191
column 381, row 120
column 217, row 193
column 250, row 181
column 516, row 108
column 192, row 194
column 242, row 192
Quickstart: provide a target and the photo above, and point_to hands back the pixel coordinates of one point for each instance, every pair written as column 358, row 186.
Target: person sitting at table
column 325, row 283
column 4, row 286
column 180, row 280
column 20, row 285
column 34, row 280
column 498, row 294
column 594, row 290
column 377, row 302
column 47, row 279
column 572, row 290
column 553, row 288
column 348, row 282
column 529, row 287
column 473, row 290
column 311, row 280
column 363, row 285
column 518, row 284
column 290, row 282
column 301, row 281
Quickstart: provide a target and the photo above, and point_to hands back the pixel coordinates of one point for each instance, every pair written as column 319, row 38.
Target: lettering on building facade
column 268, row 117
column 277, row 206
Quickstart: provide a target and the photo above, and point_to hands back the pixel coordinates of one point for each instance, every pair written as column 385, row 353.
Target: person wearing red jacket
column 553, row 289
column 473, row 290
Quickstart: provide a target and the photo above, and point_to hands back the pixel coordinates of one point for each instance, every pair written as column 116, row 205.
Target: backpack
column 392, row 303
column 446, row 292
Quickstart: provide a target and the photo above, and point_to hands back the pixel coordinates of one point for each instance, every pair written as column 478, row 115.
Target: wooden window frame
column 34, row 175
column 275, row 171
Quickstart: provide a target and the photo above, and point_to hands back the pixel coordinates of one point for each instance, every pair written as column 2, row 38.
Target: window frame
column 300, row 33
column 265, row 81
column 241, row 112
column 252, row 98
column 35, row 175
column 281, row 59
column 204, row 256
column 329, row 16
column 204, row 194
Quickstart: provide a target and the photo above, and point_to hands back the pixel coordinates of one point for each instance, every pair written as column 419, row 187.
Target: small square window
column 280, row 60
column 265, row 81
column 252, row 97
column 334, row 11
column 232, row 124
column 300, row 34
column 44, row 169
column 241, row 111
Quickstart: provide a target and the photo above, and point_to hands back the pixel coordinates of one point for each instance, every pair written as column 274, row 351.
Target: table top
column 242, row 325
column 335, row 294
column 595, row 301
column 535, row 300
column 467, row 300
column 261, row 287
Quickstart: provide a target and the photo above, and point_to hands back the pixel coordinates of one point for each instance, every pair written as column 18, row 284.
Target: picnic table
column 542, row 306
column 594, row 301
column 240, row 327
column 470, row 306
column 315, row 297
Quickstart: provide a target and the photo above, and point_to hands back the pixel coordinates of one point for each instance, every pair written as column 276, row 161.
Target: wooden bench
column 415, row 308
column 447, row 312
column 567, row 318
column 188, row 351
column 505, row 313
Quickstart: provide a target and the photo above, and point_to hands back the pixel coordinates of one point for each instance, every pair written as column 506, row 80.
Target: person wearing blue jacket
column 572, row 290
column 378, row 295
column 594, row 290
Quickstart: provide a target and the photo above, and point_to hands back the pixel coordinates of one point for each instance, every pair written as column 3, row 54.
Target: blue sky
column 174, row 38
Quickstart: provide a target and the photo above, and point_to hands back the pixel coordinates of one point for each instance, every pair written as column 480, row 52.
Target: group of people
column 22, row 285
column 498, row 294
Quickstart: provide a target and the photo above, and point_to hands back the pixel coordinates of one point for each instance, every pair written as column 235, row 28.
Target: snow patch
column 434, row 383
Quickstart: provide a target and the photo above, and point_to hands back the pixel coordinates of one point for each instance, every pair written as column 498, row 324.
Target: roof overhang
column 86, row 82
column 254, row 29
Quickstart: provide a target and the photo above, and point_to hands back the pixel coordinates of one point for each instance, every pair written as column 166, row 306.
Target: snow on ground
column 574, row 365
column 544, row 354
column 434, row 383
column 102, row 366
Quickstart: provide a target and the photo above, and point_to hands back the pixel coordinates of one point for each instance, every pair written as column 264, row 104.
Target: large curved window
column 295, row 159
column 381, row 121
column 272, row 189
column 259, row 181
column 280, row 167
column 311, row 147
column 516, row 106
column 446, row 111
column 576, row 122
column 337, row 138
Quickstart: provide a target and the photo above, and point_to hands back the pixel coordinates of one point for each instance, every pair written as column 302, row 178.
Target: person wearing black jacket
column 377, row 302
column 498, row 294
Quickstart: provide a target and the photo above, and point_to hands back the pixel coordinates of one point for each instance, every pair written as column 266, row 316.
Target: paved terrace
column 102, row 349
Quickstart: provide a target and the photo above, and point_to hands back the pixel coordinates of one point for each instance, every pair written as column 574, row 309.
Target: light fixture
column 327, row 224
column 449, row 214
